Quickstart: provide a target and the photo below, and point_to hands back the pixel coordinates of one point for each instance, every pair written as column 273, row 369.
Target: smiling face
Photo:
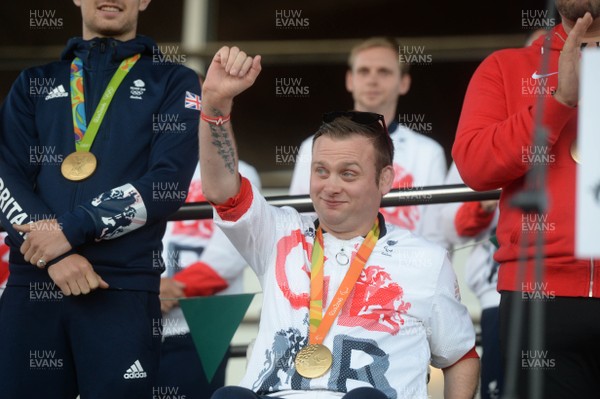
column 343, row 185
column 110, row 18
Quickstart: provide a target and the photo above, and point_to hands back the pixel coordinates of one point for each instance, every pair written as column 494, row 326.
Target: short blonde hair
column 379, row 41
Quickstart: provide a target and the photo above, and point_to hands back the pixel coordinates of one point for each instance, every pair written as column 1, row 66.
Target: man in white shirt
column 376, row 78
column 391, row 299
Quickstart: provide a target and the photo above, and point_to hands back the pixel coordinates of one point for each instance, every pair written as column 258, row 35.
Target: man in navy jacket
column 84, row 221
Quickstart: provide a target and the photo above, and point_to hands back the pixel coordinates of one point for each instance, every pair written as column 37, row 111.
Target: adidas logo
column 135, row 371
column 56, row 93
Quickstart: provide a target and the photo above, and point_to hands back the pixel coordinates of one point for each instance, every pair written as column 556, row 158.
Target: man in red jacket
column 494, row 148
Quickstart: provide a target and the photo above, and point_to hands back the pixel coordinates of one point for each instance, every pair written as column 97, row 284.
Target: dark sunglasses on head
column 363, row 118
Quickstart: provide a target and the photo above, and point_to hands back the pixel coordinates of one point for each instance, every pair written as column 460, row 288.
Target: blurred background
column 304, row 46
column 304, row 43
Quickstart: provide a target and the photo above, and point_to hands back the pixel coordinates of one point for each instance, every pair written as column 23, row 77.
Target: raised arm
column 490, row 137
column 230, row 73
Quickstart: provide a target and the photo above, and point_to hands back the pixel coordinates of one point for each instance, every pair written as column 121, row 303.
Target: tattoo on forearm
column 224, row 144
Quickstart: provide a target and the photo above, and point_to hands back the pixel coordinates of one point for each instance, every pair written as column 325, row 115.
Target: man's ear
column 405, row 81
column 77, row 3
column 386, row 179
column 143, row 4
column 349, row 82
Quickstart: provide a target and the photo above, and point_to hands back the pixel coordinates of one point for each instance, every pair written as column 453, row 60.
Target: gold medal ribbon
column 315, row 359
column 84, row 133
column 81, row 164
column 319, row 323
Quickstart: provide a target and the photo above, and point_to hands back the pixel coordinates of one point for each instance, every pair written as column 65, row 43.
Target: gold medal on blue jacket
column 81, row 164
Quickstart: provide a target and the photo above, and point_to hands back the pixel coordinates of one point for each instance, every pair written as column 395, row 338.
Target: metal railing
column 398, row 197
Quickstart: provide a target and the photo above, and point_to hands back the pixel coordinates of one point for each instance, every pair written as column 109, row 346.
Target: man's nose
column 333, row 185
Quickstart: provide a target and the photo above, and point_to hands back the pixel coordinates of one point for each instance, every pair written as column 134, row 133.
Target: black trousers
column 492, row 372
column 569, row 359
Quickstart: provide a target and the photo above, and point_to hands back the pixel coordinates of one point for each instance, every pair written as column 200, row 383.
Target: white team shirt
column 403, row 312
column 419, row 161
column 481, row 270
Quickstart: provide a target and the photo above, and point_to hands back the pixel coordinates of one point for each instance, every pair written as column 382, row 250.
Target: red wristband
column 219, row 120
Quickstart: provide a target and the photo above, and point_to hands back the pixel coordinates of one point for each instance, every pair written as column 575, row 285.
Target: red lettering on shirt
column 284, row 246
column 376, row 303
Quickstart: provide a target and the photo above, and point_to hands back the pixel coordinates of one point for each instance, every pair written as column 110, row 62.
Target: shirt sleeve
column 219, row 253
column 253, row 226
column 19, row 203
column 452, row 333
column 471, row 219
column 201, row 279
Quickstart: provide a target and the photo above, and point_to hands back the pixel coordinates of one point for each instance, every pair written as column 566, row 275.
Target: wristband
column 219, row 120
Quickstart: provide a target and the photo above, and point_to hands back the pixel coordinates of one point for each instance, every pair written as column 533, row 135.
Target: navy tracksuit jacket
column 146, row 149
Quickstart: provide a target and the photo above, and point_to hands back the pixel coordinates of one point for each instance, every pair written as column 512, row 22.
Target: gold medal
column 575, row 152
column 78, row 165
column 313, row 361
